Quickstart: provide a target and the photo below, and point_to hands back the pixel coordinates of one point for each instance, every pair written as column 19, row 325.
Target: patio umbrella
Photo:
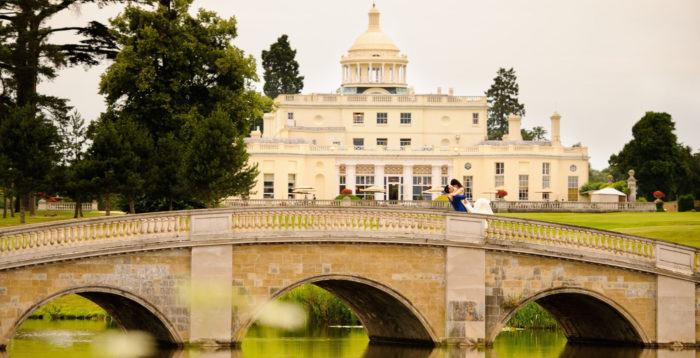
column 373, row 189
column 435, row 190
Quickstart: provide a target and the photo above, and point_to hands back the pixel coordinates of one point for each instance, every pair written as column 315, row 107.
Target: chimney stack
column 439, row 90
column 513, row 128
column 452, row 91
column 556, row 138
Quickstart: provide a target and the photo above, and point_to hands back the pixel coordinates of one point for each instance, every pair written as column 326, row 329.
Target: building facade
column 375, row 131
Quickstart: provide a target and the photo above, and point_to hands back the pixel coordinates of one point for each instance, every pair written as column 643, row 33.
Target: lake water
column 88, row 339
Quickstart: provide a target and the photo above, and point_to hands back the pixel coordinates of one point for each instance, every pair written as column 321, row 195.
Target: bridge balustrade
column 411, row 222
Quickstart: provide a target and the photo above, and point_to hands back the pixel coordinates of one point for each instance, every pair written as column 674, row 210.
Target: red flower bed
column 501, row 193
column 346, row 191
column 659, row 194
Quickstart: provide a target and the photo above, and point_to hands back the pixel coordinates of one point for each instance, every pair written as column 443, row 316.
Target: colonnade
column 363, row 73
column 406, row 174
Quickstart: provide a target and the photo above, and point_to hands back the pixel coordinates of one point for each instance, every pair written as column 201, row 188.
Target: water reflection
column 76, row 339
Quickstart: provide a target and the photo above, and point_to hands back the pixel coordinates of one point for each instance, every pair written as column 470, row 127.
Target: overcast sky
column 601, row 64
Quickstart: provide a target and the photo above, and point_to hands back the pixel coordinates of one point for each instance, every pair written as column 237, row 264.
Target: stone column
column 465, row 291
column 393, row 74
column 350, row 177
column 632, row 185
column 407, row 182
column 211, row 297
column 675, row 311
column 435, row 178
column 379, row 180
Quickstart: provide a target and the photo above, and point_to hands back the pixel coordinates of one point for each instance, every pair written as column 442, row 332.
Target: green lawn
column 70, row 307
column 682, row 228
column 45, row 216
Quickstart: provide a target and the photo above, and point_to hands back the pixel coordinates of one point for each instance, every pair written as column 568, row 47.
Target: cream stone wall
column 514, row 278
column 262, row 272
column 153, row 277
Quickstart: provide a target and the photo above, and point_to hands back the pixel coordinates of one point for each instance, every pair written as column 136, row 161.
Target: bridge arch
column 386, row 315
column 585, row 316
column 129, row 311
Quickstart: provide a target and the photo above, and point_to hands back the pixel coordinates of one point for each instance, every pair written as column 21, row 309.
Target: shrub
column 501, row 193
column 342, row 196
column 686, row 202
column 642, row 200
column 659, row 194
column 659, row 205
column 441, row 198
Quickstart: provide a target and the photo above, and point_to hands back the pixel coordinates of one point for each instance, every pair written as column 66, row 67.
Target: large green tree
column 536, row 134
column 655, row 155
column 30, row 147
column 281, row 69
column 172, row 71
column 502, row 98
column 215, row 164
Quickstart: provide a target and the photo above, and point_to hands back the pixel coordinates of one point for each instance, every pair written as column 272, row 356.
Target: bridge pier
column 465, row 319
column 675, row 313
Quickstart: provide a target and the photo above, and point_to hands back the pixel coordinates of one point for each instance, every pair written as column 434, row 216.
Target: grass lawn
column 45, row 216
column 70, row 307
column 682, row 228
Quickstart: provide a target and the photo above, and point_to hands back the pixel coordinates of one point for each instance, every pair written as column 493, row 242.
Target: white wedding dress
column 481, row 206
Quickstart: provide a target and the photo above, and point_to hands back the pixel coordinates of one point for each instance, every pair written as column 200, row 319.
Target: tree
column 503, row 99
column 281, row 69
column 172, row 71
column 27, row 54
column 73, row 173
column 655, row 155
column 30, row 151
column 535, row 134
column 215, row 164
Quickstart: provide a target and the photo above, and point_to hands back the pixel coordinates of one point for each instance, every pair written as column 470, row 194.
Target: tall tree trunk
column 31, row 199
column 170, row 204
column 4, row 204
column 108, row 207
column 208, row 203
column 21, row 208
column 77, row 208
column 12, row 206
column 131, row 204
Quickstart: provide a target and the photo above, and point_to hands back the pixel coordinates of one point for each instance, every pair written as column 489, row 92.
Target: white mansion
column 376, row 132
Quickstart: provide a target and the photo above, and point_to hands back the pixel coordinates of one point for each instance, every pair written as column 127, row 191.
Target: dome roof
column 373, row 38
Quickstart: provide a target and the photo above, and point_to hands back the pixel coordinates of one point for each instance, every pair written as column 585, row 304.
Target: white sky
column 600, row 63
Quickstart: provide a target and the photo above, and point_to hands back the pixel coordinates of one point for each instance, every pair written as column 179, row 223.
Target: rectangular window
column 545, row 196
column 444, row 181
column 291, row 184
column 421, row 183
column 468, row 187
column 359, row 143
column 405, row 118
column 268, row 186
column 545, row 175
column 382, row 142
column 573, row 189
column 341, row 181
column 336, row 142
column 405, row 141
column 363, row 182
column 290, row 115
column 475, row 118
column 382, row 118
column 500, row 172
column 523, row 184
column 290, row 119
column 358, row 118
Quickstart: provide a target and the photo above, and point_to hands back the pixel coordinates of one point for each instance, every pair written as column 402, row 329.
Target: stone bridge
column 416, row 276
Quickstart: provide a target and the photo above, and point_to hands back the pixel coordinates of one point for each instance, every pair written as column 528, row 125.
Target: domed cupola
column 373, row 64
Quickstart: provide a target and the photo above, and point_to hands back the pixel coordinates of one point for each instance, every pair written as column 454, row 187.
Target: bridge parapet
column 40, row 243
